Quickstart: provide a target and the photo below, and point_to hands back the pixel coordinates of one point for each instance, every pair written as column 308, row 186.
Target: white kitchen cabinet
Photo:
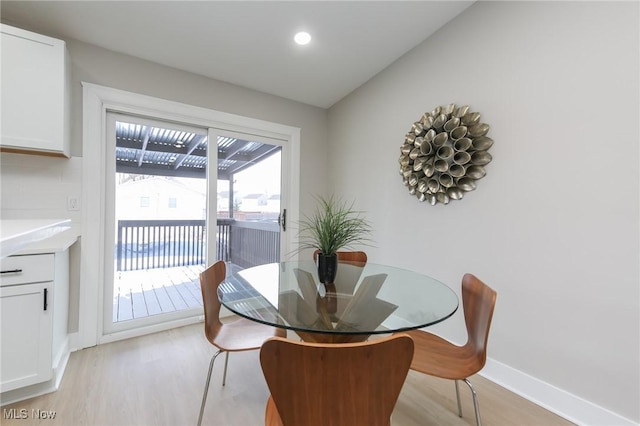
column 26, row 336
column 35, row 93
column 34, row 305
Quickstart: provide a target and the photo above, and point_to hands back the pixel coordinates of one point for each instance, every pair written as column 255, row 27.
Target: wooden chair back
column 478, row 300
column 347, row 384
column 347, row 256
column 210, row 279
column 348, row 277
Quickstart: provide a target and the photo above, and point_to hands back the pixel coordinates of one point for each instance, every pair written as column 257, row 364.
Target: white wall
column 553, row 227
column 37, row 187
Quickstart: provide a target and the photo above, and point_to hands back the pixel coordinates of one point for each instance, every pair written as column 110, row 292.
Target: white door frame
column 97, row 100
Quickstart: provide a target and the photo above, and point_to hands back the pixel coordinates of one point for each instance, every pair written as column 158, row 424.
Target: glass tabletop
column 364, row 299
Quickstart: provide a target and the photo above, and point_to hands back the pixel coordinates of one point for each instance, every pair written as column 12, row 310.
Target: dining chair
column 347, row 278
column 438, row 357
column 347, row 256
column 321, row 384
column 236, row 336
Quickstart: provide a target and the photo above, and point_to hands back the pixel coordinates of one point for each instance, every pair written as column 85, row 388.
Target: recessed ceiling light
column 302, row 38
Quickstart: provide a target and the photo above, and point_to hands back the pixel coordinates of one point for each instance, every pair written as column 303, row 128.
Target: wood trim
column 33, row 152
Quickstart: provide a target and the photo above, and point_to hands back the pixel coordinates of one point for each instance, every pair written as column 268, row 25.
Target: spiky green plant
column 332, row 226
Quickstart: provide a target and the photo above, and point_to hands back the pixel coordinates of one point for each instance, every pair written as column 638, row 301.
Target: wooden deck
column 142, row 293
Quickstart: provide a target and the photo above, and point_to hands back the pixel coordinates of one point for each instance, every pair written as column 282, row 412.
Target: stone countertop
column 54, row 244
column 17, row 235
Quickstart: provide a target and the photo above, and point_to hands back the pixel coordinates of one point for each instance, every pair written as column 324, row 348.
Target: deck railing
column 147, row 244
column 254, row 243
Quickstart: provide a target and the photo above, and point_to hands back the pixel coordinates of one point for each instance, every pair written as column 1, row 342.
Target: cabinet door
column 26, row 330
column 33, row 91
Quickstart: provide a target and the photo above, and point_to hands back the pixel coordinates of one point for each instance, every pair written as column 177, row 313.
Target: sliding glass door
column 169, row 215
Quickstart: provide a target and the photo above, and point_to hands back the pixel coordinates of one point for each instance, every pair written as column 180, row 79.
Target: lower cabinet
column 32, row 288
column 26, row 335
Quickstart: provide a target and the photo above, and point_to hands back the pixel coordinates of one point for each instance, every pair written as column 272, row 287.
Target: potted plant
column 333, row 225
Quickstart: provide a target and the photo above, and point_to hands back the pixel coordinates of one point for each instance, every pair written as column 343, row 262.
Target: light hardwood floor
column 158, row 380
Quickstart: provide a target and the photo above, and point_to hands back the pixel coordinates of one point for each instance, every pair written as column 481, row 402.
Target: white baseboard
column 61, row 364
column 558, row 401
column 73, row 341
column 141, row 331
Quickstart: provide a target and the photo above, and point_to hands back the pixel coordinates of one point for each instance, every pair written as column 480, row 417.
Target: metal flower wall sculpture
column 444, row 154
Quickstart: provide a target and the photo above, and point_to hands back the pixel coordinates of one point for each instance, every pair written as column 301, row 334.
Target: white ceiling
column 250, row 43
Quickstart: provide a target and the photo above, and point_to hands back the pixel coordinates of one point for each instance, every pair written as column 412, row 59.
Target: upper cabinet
column 35, row 93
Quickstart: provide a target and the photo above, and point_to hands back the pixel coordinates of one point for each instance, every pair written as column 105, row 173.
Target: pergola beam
column 145, row 141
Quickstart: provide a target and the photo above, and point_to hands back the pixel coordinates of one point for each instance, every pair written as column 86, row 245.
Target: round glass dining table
column 364, row 299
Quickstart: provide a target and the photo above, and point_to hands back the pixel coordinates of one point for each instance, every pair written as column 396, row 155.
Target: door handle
column 282, row 219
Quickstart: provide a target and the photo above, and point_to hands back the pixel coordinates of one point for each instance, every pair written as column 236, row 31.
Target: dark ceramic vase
column 327, row 267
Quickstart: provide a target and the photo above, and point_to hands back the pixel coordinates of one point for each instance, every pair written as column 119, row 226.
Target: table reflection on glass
column 364, row 299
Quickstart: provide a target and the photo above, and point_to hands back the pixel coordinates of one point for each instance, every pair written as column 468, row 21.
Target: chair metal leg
column 475, row 401
column 206, row 386
column 458, row 397
column 226, row 362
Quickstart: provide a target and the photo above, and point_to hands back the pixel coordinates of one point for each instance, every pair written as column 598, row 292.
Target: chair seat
column 244, row 335
column 438, row 357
